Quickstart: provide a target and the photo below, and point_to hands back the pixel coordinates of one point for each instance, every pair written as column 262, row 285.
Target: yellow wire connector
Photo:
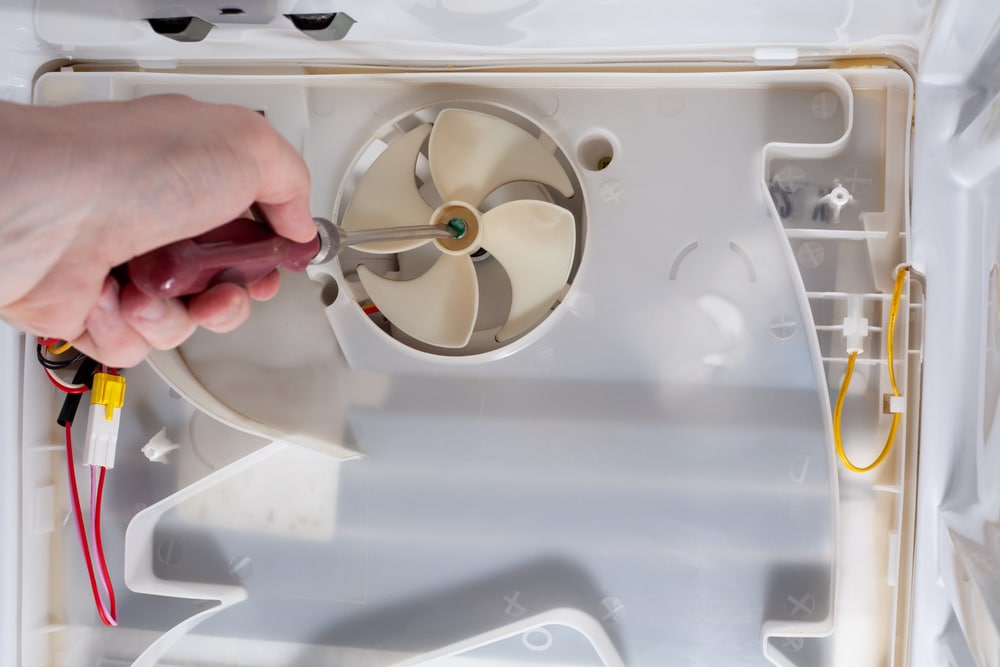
column 109, row 391
column 107, row 396
column 838, row 410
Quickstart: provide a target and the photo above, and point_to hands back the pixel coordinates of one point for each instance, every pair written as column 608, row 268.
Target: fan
column 471, row 154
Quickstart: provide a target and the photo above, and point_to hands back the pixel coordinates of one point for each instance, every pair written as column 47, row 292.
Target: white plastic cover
column 956, row 241
column 456, row 32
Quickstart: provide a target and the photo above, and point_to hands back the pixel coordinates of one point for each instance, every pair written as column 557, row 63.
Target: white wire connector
column 106, row 399
column 855, row 325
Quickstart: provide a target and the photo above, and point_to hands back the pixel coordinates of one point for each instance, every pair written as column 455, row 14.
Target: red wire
column 100, row 546
column 45, row 342
column 78, row 513
column 61, row 387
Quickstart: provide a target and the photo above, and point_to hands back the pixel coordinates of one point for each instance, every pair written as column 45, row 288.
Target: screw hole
column 596, row 153
column 330, row 292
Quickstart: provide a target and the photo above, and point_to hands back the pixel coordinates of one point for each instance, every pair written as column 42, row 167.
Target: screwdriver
column 243, row 251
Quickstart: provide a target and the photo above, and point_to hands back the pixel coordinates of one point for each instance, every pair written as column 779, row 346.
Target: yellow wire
column 56, row 351
column 838, row 410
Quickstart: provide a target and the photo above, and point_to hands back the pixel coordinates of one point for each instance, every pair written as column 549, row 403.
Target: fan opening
column 538, row 227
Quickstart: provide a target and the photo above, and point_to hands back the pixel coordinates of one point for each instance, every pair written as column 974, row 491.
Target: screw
column 458, row 226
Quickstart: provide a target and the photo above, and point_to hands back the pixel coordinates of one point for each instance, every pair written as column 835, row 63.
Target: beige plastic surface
column 535, row 242
column 439, row 307
column 472, row 154
column 387, row 196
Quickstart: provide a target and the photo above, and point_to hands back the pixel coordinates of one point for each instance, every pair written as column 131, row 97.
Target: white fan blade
column 439, row 307
column 387, row 196
column 535, row 242
column 472, row 154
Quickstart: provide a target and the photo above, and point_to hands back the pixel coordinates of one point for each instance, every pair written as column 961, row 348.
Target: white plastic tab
column 835, row 200
column 158, row 447
column 775, row 56
column 855, row 326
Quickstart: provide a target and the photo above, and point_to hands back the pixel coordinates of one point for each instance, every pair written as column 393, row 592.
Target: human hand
column 87, row 187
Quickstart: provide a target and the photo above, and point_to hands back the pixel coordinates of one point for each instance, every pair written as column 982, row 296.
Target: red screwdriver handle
column 241, row 252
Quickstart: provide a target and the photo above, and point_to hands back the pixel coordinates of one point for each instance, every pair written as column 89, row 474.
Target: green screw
column 458, row 226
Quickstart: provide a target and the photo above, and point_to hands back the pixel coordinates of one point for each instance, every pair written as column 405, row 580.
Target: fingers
column 199, row 166
column 166, row 323
column 126, row 324
column 291, row 219
column 281, row 184
column 162, row 323
column 221, row 308
column 266, row 287
column 108, row 337
column 283, row 191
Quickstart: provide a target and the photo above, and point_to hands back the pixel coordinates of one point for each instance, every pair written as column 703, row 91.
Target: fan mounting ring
column 457, row 214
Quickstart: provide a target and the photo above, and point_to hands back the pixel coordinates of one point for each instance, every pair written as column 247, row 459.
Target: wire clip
column 855, row 324
column 892, row 405
column 106, row 399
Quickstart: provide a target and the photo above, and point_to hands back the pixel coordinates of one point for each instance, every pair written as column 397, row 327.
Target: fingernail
column 153, row 310
column 108, row 301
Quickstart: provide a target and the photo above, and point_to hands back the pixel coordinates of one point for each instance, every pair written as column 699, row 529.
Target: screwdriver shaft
column 356, row 236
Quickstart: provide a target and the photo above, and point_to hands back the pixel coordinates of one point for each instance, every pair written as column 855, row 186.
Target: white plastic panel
column 956, row 239
column 954, row 183
column 656, row 455
column 10, row 492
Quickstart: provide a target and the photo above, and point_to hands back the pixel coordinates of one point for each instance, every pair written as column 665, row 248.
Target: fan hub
column 456, row 214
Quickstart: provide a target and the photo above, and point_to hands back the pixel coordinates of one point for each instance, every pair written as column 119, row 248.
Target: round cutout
column 596, row 152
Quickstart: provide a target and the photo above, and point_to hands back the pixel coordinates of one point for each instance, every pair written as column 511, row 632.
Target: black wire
column 84, row 375
column 54, row 365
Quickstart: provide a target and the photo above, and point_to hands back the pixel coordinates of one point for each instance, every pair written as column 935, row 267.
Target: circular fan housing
column 512, row 190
